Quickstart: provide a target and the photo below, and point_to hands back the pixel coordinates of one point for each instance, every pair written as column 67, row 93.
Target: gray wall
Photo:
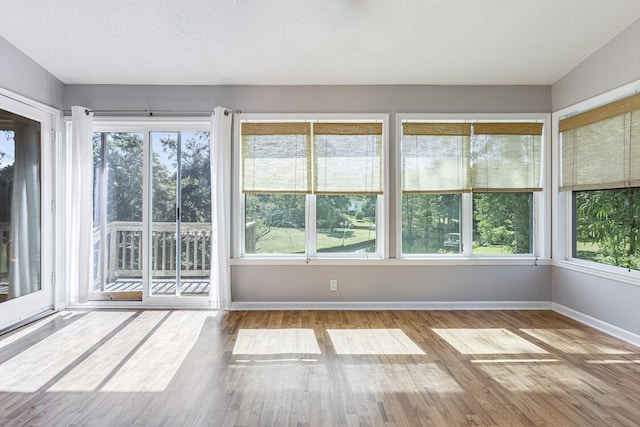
column 309, row 283
column 609, row 301
column 392, row 283
column 615, row 64
column 20, row 74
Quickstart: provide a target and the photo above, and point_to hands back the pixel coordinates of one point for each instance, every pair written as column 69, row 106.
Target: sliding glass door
column 152, row 214
column 25, row 230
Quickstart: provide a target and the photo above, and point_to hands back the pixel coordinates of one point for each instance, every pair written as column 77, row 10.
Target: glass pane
column 274, row 224
column 502, row 223
column 431, row 223
column 607, row 227
column 164, row 164
column 195, row 212
column 118, row 205
column 346, row 224
column 19, row 206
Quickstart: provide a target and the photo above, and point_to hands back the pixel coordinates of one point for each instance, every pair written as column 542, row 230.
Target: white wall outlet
column 333, row 285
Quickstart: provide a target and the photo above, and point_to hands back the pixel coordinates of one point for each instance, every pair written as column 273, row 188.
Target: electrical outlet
column 333, row 285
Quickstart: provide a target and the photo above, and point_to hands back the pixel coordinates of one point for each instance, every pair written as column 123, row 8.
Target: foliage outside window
column 601, row 167
column 296, row 171
column 493, row 166
column 608, row 226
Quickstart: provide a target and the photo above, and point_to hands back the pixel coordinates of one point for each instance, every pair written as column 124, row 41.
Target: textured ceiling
column 294, row 42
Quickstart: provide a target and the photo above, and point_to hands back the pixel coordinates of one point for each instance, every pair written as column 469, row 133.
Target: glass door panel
column 117, row 217
column 164, row 202
column 195, row 212
column 19, row 206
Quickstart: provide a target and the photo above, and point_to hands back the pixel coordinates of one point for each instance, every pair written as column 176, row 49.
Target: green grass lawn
column 292, row 240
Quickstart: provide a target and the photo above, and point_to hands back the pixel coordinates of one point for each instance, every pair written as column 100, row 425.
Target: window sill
column 457, row 261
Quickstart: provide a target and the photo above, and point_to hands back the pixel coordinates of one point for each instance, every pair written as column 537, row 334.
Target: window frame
column 541, row 199
column 563, row 219
column 311, row 254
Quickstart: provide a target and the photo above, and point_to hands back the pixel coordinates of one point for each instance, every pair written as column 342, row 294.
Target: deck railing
column 124, row 249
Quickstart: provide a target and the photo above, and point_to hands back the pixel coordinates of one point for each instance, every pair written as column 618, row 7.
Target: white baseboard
column 392, row 305
column 605, row 327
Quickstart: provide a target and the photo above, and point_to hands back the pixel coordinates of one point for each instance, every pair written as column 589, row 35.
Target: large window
column 468, row 188
column 601, row 168
column 311, row 187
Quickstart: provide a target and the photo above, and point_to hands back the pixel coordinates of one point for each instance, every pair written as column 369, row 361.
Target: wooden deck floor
column 316, row 368
column 162, row 286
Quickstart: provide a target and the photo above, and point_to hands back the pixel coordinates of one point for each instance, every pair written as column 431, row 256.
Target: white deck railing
column 125, row 254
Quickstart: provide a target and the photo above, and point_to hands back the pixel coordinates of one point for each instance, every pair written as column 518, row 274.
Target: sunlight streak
column 92, row 371
column 40, row 363
column 487, row 341
column 373, row 341
column 276, row 341
column 574, row 341
column 157, row 361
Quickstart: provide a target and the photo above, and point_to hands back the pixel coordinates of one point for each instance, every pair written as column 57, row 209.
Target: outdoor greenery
column 501, row 223
column 608, row 226
column 124, row 169
column 504, row 220
column 276, row 223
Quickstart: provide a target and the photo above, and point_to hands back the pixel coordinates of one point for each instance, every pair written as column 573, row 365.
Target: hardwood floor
column 316, row 368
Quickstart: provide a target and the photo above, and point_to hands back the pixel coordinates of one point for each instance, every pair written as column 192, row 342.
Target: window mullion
column 310, row 229
column 467, row 223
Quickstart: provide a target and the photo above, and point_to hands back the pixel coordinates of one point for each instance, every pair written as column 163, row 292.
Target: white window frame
column 562, row 224
column 146, row 125
column 541, row 199
column 311, row 256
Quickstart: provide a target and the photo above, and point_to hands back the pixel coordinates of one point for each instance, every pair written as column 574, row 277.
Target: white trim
column 392, row 305
column 605, row 327
column 404, row 262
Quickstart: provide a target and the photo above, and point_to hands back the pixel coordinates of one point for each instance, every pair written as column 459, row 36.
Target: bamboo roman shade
column 276, row 157
column 601, row 147
column 312, row 157
column 463, row 157
column 435, row 157
column 348, row 158
column 505, row 157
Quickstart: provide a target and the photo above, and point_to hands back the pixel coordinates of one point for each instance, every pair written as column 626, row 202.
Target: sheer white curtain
column 79, row 203
column 220, row 206
column 24, row 263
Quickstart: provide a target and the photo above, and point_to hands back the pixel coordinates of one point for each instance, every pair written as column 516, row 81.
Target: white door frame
column 48, row 297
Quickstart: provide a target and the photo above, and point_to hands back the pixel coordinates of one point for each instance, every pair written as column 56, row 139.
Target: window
column 312, row 187
column 489, row 169
column 601, row 168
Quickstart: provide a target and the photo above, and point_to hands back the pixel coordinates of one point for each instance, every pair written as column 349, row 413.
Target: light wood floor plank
column 316, row 368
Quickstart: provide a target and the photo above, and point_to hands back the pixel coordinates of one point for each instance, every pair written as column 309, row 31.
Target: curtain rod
column 150, row 113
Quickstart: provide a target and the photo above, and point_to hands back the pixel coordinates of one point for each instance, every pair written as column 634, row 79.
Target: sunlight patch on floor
column 95, row 369
column 487, row 341
column 276, row 341
column 574, row 341
column 157, row 361
column 40, row 363
column 373, row 342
